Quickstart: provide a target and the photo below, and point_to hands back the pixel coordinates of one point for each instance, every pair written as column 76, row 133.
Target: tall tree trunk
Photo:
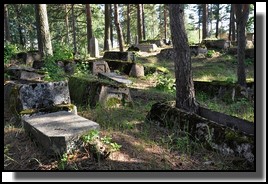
column 118, row 28
column 241, row 12
column 185, row 94
column 6, row 24
column 38, row 31
column 67, row 24
column 128, row 25
column 143, row 21
column 199, row 23
column 217, row 19
column 233, row 26
column 111, row 26
column 44, row 29
column 19, row 24
column 165, row 21
column 205, row 21
column 74, row 30
column 89, row 26
column 139, row 22
column 107, row 36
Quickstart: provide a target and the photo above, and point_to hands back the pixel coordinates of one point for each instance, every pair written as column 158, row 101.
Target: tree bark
column 44, row 29
column 205, row 22
column 143, row 21
column 67, row 24
column 6, row 24
column 217, row 20
column 74, row 30
column 19, row 24
column 38, row 31
column 185, row 94
column 165, row 21
column 89, row 26
column 232, row 32
column 118, row 28
column 241, row 12
column 111, row 25
column 107, row 36
column 139, row 22
column 128, row 25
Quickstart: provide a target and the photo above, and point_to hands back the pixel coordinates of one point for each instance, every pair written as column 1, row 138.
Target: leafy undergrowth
column 143, row 145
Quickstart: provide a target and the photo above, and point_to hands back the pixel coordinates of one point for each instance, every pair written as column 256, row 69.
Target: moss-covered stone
column 214, row 135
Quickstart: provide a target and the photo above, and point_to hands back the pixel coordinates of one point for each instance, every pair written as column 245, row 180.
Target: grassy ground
column 144, row 146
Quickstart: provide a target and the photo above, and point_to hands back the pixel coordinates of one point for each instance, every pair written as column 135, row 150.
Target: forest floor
column 144, row 146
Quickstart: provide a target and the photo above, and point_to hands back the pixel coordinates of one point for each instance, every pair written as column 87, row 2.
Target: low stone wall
column 158, row 43
column 249, row 53
column 213, row 134
column 147, row 47
column 217, row 44
column 226, row 91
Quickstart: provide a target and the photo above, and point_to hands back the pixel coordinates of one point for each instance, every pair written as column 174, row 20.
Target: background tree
column 118, row 28
column 185, row 94
column 205, row 22
column 107, row 35
column 6, row 23
column 217, row 16
column 74, row 29
column 89, row 26
column 44, row 29
column 67, row 23
column 232, row 28
column 241, row 13
column 143, row 22
column 128, row 25
column 165, row 21
column 139, row 22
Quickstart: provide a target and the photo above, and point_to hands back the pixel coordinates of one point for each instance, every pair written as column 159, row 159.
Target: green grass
column 241, row 108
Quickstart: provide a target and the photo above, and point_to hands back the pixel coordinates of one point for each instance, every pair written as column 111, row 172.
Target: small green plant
column 52, row 70
column 165, row 83
column 92, row 135
column 62, row 52
column 210, row 53
column 63, row 162
column 249, row 61
column 9, row 51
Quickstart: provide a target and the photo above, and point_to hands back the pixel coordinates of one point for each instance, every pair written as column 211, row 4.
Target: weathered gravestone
column 100, row 66
column 59, row 132
column 94, row 47
column 24, row 99
column 137, row 70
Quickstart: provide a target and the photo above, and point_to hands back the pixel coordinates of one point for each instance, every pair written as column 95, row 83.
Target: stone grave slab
column 58, row 132
column 24, row 73
column 115, row 77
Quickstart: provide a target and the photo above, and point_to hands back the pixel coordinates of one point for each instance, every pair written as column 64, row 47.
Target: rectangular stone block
column 100, row 66
column 42, row 95
column 58, row 132
column 119, row 56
